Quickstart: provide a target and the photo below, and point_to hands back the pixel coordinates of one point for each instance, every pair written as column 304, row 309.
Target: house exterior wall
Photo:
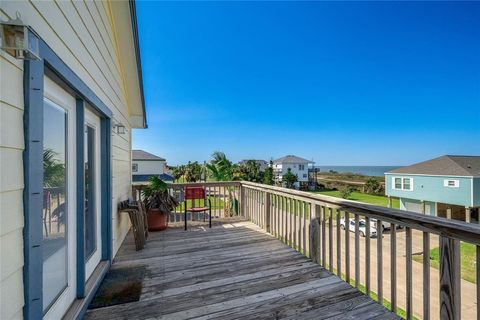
column 416, row 206
column 431, row 188
column 476, row 192
column 84, row 37
column 149, row 167
column 282, row 168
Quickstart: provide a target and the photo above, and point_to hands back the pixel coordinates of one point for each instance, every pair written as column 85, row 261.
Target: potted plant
column 159, row 203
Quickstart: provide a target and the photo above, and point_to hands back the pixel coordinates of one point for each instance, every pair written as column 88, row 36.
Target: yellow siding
column 82, row 34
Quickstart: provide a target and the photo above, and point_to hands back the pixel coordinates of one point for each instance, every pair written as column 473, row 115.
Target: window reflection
column 54, row 213
column 90, row 227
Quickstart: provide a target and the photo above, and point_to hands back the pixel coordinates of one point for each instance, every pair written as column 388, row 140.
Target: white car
column 362, row 227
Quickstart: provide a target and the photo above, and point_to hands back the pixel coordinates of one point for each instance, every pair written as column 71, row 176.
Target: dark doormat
column 121, row 285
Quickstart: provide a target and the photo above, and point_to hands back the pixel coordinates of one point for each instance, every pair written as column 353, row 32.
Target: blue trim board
column 80, row 217
column 34, row 72
column 33, row 190
column 66, row 75
column 106, row 159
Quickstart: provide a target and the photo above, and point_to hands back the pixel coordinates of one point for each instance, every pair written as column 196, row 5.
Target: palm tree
column 221, row 169
column 53, row 170
column 178, row 172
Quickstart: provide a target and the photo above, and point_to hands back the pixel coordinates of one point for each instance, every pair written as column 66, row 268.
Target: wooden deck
column 234, row 270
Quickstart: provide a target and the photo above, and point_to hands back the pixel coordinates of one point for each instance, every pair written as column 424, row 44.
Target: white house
column 297, row 166
column 146, row 165
column 69, row 99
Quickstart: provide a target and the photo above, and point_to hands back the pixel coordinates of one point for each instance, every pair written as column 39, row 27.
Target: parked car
column 385, row 225
column 361, row 227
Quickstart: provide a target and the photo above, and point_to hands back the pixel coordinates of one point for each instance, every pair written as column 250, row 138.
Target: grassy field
column 363, row 197
column 467, row 260
column 217, row 203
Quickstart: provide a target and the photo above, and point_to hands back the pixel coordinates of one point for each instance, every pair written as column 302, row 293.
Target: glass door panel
column 90, row 207
column 55, row 203
column 93, row 201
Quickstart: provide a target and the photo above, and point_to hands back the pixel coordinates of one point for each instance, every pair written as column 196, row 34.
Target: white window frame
column 456, row 183
column 402, row 186
column 301, row 167
column 136, row 166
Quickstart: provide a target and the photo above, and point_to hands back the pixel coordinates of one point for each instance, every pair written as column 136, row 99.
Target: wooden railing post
column 267, row 211
column 449, row 278
column 242, row 202
column 315, row 240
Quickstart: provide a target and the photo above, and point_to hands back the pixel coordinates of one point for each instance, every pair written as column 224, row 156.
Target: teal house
column 447, row 186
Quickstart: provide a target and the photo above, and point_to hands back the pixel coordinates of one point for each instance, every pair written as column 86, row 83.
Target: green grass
column 217, row 203
column 363, row 197
column 467, row 260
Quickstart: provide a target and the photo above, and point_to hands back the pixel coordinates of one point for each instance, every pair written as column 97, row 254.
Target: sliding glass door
column 58, row 214
column 92, row 216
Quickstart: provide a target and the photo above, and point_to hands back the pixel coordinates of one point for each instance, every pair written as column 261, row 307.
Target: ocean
column 374, row 171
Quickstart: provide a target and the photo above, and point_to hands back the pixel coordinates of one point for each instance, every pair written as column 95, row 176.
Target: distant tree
column 221, row 169
column 248, row 171
column 289, row 178
column 193, row 172
column 372, row 186
column 346, row 192
column 178, row 172
column 268, row 175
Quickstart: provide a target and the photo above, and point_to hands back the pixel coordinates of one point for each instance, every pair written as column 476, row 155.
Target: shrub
column 372, row 186
column 345, row 192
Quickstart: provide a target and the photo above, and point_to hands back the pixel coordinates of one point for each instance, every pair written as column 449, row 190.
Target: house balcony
column 286, row 254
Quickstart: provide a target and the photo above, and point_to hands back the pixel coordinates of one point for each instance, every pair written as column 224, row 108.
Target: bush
column 346, row 192
column 372, row 186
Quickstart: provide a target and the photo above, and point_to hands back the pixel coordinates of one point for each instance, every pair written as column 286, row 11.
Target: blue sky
column 341, row 83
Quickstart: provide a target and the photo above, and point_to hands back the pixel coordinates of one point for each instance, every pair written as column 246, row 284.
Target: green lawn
column 363, row 197
column 217, row 203
column 467, row 260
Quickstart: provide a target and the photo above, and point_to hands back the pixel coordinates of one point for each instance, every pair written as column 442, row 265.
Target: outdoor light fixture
column 18, row 39
column 119, row 128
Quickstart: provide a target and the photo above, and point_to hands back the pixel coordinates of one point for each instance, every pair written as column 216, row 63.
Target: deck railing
column 312, row 224
column 381, row 266
column 224, row 198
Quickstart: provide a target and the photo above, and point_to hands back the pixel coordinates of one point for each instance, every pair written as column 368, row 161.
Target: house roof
column 133, row 16
column 143, row 155
column 449, row 165
column 291, row 159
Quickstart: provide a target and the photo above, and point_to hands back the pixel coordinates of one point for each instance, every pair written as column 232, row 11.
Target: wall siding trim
column 80, row 153
column 33, row 190
column 106, row 187
column 34, row 72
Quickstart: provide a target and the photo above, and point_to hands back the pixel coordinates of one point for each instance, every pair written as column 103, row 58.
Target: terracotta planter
column 157, row 220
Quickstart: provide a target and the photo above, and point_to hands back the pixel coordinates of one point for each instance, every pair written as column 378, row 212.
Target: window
column 304, row 175
column 405, row 184
column 134, row 167
column 451, row 183
column 301, row 167
column 398, row 183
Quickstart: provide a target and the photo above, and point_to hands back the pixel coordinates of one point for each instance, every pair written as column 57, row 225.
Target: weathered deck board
column 233, row 271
